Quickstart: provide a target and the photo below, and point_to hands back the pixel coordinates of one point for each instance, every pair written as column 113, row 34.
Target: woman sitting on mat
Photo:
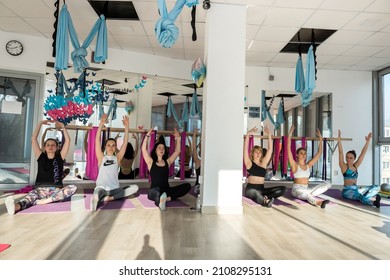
column 366, row 195
column 48, row 184
column 301, row 171
column 158, row 164
column 107, row 183
column 256, row 164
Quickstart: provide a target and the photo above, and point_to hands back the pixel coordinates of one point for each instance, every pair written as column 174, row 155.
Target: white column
column 223, row 109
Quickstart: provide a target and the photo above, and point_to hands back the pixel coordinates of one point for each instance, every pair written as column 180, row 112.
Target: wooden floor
column 297, row 232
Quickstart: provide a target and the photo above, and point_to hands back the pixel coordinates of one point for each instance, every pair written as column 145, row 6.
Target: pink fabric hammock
column 276, row 155
column 142, row 164
column 92, row 169
column 183, row 155
column 171, row 151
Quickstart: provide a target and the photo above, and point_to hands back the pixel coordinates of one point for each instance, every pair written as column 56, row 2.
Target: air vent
column 167, row 94
column 191, row 94
column 304, row 39
column 192, row 85
column 286, row 95
column 118, row 10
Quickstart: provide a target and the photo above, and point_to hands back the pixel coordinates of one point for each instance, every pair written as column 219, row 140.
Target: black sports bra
column 256, row 170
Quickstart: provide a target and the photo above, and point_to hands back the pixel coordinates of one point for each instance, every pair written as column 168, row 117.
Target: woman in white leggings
column 301, row 171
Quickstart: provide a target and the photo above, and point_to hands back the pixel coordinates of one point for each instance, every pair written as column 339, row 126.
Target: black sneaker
column 323, row 204
column 377, row 202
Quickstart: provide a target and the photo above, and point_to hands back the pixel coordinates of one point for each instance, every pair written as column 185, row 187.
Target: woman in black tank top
column 256, row 163
column 158, row 164
column 48, row 184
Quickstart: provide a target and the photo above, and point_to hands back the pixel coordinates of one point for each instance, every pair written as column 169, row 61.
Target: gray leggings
column 117, row 193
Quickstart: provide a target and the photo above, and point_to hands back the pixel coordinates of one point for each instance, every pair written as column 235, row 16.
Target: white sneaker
column 130, row 189
column 94, row 202
column 10, row 204
column 163, row 201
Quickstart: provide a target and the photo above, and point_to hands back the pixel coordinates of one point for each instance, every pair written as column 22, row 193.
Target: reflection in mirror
column 306, row 120
column 126, row 87
column 17, row 97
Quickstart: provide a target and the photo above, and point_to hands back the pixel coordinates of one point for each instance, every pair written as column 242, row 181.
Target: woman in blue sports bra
column 256, row 164
column 366, row 195
column 301, row 171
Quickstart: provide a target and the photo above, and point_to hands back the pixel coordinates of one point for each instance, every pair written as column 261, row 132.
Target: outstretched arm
column 148, row 159
column 122, row 150
column 86, row 139
column 268, row 155
column 291, row 160
column 65, row 147
column 34, row 138
column 319, row 151
column 341, row 154
column 98, row 144
column 247, row 160
column 364, row 150
column 136, row 144
column 44, row 136
column 176, row 153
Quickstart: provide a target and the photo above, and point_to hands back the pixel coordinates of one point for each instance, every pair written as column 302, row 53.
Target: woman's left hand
column 319, row 133
column 125, row 121
column 176, row 133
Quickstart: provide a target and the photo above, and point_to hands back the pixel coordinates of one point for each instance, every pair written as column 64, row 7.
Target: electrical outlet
column 336, row 172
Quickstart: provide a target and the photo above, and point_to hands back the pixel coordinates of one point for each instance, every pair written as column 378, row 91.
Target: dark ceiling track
column 57, row 5
column 313, row 39
column 193, row 13
column 299, row 46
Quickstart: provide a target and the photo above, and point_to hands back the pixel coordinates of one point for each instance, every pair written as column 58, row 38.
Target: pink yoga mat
column 123, row 204
column 55, row 207
column 4, row 246
column 18, row 170
column 149, row 204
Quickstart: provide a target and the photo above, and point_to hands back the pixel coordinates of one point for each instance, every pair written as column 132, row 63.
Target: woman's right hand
column 368, row 137
column 103, row 120
column 252, row 131
column 290, row 132
column 149, row 132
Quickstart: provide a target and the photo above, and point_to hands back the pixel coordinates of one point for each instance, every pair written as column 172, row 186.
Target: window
column 381, row 101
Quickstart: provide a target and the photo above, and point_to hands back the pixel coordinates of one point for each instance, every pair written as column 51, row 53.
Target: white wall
column 352, row 94
column 351, row 107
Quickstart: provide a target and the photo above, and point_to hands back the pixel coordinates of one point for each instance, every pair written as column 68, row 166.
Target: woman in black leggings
column 256, row 164
column 158, row 165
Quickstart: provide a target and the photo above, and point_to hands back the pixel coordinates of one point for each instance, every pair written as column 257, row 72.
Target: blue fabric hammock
column 112, row 108
column 266, row 112
column 195, row 108
column 165, row 28
column 171, row 111
column 66, row 28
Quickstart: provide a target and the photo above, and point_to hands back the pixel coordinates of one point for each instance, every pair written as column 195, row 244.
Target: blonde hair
column 256, row 148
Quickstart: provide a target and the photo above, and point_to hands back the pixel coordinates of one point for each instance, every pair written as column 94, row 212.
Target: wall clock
column 14, row 47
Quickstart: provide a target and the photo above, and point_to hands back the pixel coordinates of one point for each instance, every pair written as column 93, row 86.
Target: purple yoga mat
column 143, row 199
column 338, row 195
column 277, row 202
column 123, row 204
column 55, row 207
